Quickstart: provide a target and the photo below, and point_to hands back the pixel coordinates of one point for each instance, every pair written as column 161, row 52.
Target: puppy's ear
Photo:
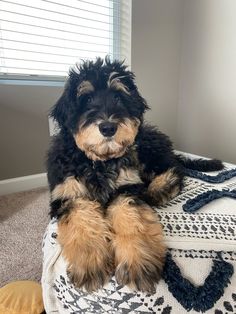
column 60, row 110
column 140, row 103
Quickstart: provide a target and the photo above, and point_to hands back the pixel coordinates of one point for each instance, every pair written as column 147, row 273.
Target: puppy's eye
column 117, row 97
column 89, row 99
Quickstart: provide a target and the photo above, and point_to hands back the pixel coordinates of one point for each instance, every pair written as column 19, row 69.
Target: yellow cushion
column 21, row 297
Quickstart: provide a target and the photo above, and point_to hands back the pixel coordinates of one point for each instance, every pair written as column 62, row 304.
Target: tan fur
column 163, row 187
column 127, row 131
column 128, row 176
column 70, row 188
column 85, row 239
column 138, row 244
column 116, row 84
column 97, row 147
column 85, row 87
column 87, row 137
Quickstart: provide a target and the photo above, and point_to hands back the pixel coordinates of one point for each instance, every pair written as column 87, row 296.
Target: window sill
column 25, row 82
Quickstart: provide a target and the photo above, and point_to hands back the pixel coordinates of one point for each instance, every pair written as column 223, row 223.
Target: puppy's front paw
column 85, row 239
column 137, row 243
column 139, row 265
column 89, row 269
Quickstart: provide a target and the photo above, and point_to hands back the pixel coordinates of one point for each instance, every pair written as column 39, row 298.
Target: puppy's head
column 101, row 107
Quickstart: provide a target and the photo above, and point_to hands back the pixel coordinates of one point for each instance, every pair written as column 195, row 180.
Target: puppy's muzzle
column 108, row 129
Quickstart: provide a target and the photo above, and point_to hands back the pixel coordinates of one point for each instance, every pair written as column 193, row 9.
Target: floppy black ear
column 60, row 110
column 142, row 102
column 139, row 102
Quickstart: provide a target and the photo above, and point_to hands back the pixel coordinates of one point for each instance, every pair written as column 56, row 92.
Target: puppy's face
column 105, row 127
column 102, row 109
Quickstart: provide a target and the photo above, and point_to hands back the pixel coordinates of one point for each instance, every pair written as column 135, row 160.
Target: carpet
column 23, row 219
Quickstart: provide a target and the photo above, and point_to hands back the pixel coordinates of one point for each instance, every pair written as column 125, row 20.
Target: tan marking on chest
column 128, row 176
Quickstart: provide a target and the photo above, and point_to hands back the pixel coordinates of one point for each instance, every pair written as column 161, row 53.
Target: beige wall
column 184, row 57
column 207, row 106
column 156, row 43
column 24, row 134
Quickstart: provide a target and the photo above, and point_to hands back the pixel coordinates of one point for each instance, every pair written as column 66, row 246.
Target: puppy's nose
column 108, row 128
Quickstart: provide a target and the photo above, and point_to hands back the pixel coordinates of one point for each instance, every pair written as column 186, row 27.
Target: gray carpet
column 23, row 220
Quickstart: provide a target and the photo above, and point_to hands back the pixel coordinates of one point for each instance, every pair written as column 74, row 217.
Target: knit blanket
column 200, row 233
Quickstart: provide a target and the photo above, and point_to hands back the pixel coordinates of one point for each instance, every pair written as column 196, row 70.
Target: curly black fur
column 69, row 107
column 151, row 153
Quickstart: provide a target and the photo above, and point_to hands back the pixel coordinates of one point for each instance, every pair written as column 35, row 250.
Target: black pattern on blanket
column 202, row 251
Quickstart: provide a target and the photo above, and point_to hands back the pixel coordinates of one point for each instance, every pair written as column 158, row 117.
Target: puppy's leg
column 138, row 245
column 85, row 239
column 165, row 186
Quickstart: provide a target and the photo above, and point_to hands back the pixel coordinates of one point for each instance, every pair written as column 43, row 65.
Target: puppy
column 105, row 168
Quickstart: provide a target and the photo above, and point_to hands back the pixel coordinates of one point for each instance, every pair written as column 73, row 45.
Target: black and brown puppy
column 104, row 167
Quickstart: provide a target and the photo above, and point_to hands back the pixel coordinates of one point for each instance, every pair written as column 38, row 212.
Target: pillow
column 21, row 297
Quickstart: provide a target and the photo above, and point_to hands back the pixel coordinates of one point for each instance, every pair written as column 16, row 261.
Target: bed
column 199, row 227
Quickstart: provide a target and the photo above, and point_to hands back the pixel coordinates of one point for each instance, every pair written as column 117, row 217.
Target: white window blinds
column 46, row 37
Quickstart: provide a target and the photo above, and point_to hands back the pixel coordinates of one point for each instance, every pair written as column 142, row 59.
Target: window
column 43, row 38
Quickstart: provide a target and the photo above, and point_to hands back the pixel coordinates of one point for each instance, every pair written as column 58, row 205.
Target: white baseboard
column 23, row 183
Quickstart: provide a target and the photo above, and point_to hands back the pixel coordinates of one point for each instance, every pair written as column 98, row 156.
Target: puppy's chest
column 103, row 179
